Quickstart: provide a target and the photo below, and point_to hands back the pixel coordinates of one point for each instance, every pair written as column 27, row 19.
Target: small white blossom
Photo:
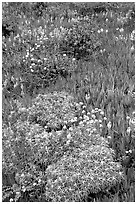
column 34, row 184
column 121, row 30
column 64, row 127
column 109, row 125
column 128, row 130
column 128, row 118
column 93, row 116
column 69, row 136
column 100, row 125
column 83, row 111
column 11, row 200
column 86, row 117
column 70, row 129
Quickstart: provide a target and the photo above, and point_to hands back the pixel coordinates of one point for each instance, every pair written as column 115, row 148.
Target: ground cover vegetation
column 68, row 102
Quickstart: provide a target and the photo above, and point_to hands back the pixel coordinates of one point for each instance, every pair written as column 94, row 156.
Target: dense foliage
column 68, row 91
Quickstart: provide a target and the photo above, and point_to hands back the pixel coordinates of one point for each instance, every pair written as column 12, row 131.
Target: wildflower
column 17, row 193
column 39, row 180
column 68, row 142
column 105, row 118
column 81, row 123
column 121, row 30
column 83, row 111
column 91, row 121
column 106, row 31
column 86, row 117
column 11, row 200
column 69, row 136
column 128, row 117
column 81, row 103
column 101, row 112
column 101, row 29
column 70, row 129
column 98, row 31
column 132, row 48
column 128, row 130
column 130, row 151
column 64, row 127
column 93, row 116
column 87, row 97
column 109, row 137
column 109, row 125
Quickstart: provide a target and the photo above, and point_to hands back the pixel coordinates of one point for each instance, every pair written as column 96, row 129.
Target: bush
column 63, row 165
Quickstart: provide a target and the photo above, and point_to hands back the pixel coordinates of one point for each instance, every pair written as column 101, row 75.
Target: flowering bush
column 65, row 164
column 53, row 110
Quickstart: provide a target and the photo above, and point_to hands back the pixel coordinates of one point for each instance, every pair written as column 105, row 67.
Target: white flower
column 91, row 121
column 64, row 127
column 17, row 193
column 86, row 117
column 130, row 151
column 34, row 184
column 100, row 125
column 68, row 142
column 93, row 116
column 128, row 130
column 101, row 112
column 69, row 136
column 70, row 129
column 83, row 111
column 121, row 30
column 81, row 103
column 11, row 199
column 128, row 118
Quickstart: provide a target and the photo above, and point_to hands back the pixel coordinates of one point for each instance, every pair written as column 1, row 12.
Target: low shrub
column 63, row 165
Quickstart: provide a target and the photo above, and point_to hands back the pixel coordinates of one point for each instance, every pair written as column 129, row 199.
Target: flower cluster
column 67, row 164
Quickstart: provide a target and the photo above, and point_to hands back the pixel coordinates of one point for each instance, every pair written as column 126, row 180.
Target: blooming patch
column 68, row 163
